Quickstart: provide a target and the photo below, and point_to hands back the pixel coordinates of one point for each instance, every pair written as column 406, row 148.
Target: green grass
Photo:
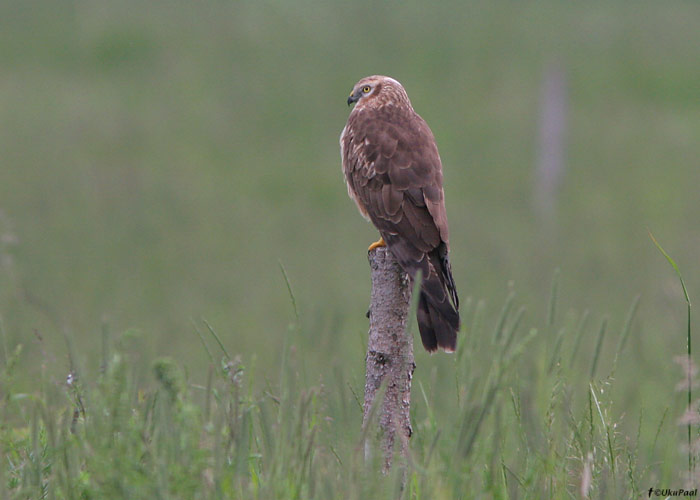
column 490, row 422
column 160, row 162
column 689, row 364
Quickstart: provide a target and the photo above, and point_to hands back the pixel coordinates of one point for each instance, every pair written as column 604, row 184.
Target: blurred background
column 160, row 160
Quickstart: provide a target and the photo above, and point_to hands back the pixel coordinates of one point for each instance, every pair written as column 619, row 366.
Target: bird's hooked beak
column 353, row 98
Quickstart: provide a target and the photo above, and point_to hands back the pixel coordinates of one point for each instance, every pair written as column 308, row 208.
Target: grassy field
column 160, row 163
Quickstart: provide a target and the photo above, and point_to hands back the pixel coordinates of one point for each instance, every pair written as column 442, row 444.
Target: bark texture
column 389, row 357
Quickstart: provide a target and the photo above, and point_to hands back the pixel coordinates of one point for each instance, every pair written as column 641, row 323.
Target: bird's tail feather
column 438, row 322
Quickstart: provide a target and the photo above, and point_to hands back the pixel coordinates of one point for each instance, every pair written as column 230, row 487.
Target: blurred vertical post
column 551, row 144
column 389, row 360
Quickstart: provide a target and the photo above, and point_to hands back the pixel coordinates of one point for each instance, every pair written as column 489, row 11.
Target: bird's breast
column 353, row 160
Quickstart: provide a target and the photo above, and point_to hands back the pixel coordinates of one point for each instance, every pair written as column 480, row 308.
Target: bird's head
column 377, row 91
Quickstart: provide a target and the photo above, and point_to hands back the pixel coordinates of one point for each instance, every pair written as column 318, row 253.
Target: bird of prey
column 393, row 172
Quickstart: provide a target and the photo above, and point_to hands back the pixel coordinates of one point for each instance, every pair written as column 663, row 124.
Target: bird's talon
column 377, row 244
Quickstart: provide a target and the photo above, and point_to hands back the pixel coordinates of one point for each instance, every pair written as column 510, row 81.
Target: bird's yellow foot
column 377, row 244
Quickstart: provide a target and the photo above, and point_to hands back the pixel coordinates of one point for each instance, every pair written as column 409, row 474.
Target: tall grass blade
column 598, row 347
column 295, row 326
column 218, row 340
column 510, row 334
column 204, row 343
column 607, row 430
column 628, row 324
column 688, row 345
column 658, row 431
column 291, row 292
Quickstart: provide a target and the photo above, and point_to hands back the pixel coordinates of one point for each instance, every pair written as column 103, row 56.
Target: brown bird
column 393, row 171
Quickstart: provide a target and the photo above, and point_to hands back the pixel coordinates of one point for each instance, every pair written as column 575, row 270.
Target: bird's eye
column 366, row 89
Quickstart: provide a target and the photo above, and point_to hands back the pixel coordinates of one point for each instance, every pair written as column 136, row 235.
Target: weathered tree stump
column 389, row 359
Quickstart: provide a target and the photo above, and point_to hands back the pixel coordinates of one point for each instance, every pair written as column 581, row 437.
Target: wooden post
column 389, row 355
